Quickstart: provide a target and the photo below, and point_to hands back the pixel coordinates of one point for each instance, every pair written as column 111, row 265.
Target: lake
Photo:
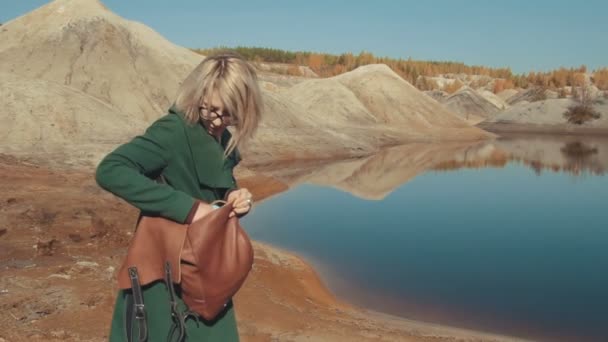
column 508, row 236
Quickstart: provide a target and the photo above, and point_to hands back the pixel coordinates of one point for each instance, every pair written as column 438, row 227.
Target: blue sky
column 524, row 35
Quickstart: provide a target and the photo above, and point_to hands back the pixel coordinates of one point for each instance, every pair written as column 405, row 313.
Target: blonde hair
column 236, row 83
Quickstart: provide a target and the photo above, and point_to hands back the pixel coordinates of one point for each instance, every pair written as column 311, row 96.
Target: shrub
column 453, row 87
column 538, row 94
column 423, row 83
column 579, row 114
column 294, row 70
column 582, row 111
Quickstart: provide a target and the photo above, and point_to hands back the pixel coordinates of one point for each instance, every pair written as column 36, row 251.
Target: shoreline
column 561, row 129
column 420, row 329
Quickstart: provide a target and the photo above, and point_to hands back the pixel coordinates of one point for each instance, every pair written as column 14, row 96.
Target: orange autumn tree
column 453, row 87
column 600, row 78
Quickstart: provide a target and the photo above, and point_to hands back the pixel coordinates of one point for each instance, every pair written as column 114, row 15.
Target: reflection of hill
column 376, row 176
column 496, row 158
column 556, row 153
column 559, row 154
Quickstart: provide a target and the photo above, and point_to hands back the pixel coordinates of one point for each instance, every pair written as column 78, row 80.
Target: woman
column 195, row 153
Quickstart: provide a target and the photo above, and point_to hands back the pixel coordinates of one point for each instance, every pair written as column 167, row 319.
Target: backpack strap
column 138, row 308
column 179, row 319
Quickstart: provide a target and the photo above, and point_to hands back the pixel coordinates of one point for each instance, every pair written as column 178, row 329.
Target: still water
column 509, row 236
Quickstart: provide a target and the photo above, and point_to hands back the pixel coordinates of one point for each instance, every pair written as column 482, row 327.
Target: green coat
column 191, row 161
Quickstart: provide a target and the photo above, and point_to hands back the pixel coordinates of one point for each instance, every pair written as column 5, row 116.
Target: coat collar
column 208, row 154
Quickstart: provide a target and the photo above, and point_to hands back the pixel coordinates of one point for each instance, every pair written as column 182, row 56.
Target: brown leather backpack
column 211, row 258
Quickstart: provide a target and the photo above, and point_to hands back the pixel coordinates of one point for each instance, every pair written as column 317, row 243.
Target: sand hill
column 394, row 101
column 356, row 112
column 470, row 105
column 81, row 44
column 131, row 73
column 493, row 98
column 48, row 119
column 548, row 114
column 506, row 94
column 437, row 95
column 531, row 95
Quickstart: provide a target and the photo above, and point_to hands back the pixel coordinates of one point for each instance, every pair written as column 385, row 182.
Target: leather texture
column 212, row 257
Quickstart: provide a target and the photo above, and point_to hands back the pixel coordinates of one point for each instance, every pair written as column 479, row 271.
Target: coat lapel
column 207, row 155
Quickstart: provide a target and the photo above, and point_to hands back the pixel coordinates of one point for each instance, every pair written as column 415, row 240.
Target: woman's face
column 214, row 114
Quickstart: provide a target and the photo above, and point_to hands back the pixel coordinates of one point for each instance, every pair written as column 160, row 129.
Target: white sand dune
column 47, row 119
column 548, row 112
column 470, row 105
column 507, row 93
column 394, row 101
column 493, row 98
column 531, row 95
column 81, row 44
column 437, row 95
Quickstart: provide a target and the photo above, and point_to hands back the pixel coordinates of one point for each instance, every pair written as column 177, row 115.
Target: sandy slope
column 81, row 44
column 48, row 120
column 547, row 114
column 470, row 105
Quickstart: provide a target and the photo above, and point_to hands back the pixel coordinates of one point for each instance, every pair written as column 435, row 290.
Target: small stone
column 63, row 276
column 87, row 264
column 58, row 334
column 75, row 237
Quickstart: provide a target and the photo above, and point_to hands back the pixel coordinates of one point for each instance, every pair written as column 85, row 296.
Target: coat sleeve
column 124, row 172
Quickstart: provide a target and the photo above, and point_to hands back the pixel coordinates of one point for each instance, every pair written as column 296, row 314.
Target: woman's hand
column 242, row 201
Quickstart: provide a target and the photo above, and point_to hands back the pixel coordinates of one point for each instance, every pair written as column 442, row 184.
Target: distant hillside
column 420, row 73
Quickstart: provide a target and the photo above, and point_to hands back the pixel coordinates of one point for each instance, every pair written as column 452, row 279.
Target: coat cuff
column 192, row 211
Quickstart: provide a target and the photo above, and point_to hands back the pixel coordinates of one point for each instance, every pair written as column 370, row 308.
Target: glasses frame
column 226, row 118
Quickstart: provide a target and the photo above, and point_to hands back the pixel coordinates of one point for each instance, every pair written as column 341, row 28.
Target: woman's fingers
column 241, row 207
column 242, row 201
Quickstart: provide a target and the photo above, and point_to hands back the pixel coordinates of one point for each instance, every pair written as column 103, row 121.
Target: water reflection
column 376, row 176
column 491, row 247
column 581, row 156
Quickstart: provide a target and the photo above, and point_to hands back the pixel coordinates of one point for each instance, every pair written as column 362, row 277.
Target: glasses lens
column 211, row 115
column 207, row 114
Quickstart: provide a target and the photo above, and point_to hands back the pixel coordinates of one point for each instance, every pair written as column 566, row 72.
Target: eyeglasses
column 212, row 114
